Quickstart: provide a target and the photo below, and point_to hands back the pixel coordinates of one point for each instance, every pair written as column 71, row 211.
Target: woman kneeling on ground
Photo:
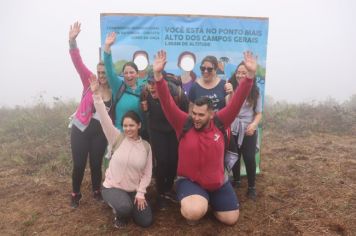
column 130, row 169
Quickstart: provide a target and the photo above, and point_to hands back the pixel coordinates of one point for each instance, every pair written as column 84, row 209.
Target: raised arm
column 113, row 80
column 174, row 115
column 82, row 70
column 110, row 131
column 230, row 111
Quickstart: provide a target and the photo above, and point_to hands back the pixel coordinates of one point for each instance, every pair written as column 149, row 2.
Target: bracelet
column 72, row 44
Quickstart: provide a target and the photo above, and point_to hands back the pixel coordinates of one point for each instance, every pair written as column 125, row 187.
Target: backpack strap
column 230, row 144
column 179, row 97
column 119, row 93
column 188, row 124
column 221, row 127
column 119, row 140
column 146, row 145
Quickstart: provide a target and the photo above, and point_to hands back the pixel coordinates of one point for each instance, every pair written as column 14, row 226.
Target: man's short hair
column 201, row 101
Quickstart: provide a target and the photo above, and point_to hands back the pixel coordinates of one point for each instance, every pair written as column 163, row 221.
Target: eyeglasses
column 209, row 69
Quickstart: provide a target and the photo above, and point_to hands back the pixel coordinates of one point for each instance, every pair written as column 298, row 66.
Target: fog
column 310, row 54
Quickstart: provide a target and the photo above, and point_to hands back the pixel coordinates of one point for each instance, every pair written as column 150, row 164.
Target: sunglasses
column 209, row 69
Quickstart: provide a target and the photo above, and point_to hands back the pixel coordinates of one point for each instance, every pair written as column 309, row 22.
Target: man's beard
column 202, row 127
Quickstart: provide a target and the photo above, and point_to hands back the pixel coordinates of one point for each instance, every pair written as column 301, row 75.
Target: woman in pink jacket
column 87, row 137
column 130, row 168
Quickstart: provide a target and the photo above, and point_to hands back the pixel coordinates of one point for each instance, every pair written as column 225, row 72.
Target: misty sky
column 310, row 55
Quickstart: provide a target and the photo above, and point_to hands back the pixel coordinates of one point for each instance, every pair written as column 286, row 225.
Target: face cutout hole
column 141, row 61
column 187, row 63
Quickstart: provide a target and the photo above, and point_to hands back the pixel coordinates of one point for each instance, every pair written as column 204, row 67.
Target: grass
column 323, row 117
column 35, row 135
column 302, row 190
column 39, row 134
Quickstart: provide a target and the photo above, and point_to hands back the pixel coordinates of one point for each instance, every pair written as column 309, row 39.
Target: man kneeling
column 201, row 180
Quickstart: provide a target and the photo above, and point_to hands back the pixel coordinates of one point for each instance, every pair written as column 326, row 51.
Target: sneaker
column 97, row 196
column 172, row 196
column 75, row 198
column 120, row 223
column 251, row 193
column 162, row 203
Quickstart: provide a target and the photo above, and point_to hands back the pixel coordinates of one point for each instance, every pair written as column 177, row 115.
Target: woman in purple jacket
column 87, row 137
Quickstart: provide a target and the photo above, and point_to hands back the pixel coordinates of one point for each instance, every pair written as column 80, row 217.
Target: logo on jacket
column 216, row 137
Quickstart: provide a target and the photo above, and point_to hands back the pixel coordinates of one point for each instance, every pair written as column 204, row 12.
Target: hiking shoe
column 162, row 203
column 251, row 193
column 172, row 196
column 97, row 196
column 75, row 198
column 236, row 183
column 120, row 223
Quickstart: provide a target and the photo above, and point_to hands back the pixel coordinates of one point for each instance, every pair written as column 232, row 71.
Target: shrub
column 327, row 116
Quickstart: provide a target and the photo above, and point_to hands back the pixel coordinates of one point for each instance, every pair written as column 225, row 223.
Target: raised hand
column 74, row 31
column 94, row 84
column 110, row 39
column 251, row 64
column 228, row 88
column 159, row 64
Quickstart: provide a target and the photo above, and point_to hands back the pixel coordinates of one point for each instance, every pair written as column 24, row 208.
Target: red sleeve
column 174, row 115
column 232, row 109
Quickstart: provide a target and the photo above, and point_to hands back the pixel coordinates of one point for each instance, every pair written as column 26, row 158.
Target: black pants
column 248, row 152
column 92, row 142
column 165, row 150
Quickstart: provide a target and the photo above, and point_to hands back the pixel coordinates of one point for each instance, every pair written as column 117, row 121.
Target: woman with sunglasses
column 210, row 85
column 244, row 129
column 87, row 138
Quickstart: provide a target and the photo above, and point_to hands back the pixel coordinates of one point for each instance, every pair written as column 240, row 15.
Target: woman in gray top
column 244, row 130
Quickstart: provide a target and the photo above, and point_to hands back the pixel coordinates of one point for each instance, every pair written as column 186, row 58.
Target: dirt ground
column 307, row 187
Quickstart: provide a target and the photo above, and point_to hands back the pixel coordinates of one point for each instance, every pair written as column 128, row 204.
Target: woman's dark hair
column 193, row 76
column 130, row 64
column 183, row 54
column 254, row 93
column 133, row 115
column 140, row 52
column 212, row 60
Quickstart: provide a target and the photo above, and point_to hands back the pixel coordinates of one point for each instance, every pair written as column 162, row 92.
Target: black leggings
column 92, row 143
column 165, row 150
column 248, row 151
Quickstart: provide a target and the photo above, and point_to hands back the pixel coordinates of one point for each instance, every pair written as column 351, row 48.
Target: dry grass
column 307, row 185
